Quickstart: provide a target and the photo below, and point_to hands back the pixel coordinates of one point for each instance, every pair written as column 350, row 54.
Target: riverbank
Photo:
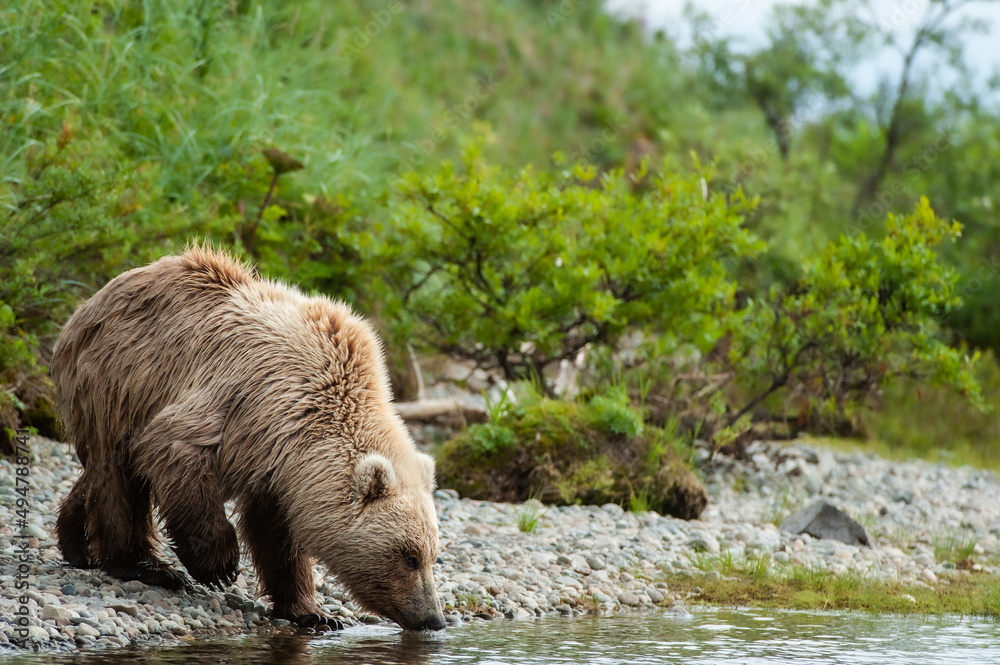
column 937, row 533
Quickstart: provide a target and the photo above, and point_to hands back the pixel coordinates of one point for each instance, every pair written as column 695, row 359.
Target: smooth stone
column 84, row 630
column 38, row 633
column 629, row 598
column 825, row 520
column 53, row 612
column 701, row 541
column 34, row 531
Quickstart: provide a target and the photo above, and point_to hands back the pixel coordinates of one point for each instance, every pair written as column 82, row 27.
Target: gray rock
column 234, row 601
column 37, row 633
column 596, row 562
column 34, row 531
column 824, row 520
column 701, row 541
column 629, row 598
column 83, row 630
column 122, row 608
column 151, row 596
column 53, row 612
column 613, row 509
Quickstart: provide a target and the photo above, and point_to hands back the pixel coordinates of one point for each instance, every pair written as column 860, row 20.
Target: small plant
column 613, row 412
column 551, row 446
column 491, row 438
column 470, row 602
column 496, row 410
column 528, row 516
column 757, row 568
column 590, row 604
column 954, row 548
column 638, row 503
column 780, row 507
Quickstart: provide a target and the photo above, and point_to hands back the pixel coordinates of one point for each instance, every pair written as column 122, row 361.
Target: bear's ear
column 427, row 469
column 374, row 478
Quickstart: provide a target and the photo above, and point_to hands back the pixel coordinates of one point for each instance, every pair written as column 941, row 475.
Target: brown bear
column 191, row 381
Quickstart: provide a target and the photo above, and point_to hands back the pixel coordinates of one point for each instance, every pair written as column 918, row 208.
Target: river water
column 733, row 637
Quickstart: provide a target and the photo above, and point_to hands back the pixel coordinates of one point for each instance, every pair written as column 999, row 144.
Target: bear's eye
column 411, row 562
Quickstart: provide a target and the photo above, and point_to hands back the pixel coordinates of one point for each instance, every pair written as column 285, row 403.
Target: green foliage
column 955, row 548
column 490, row 438
column 130, row 129
column 863, row 312
column 559, row 457
column 639, row 502
column 613, row 412
column 517, row 271
column 69, row 212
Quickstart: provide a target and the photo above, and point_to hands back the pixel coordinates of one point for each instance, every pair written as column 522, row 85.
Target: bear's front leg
column 182, row 470
column 284, row 570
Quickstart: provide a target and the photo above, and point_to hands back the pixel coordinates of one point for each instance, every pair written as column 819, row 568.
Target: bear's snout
column 423, row 611
column 435, row 622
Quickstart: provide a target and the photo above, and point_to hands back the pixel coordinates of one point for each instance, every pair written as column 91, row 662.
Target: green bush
column 518, row 271
column 552, row 451
column 863, row 312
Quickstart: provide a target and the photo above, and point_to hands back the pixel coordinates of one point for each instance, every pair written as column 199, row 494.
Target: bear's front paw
column 318, row 622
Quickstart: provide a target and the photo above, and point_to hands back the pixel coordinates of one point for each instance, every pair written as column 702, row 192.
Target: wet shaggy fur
column 190, row 382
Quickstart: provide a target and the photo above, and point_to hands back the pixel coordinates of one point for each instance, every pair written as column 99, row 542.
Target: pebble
column 578, row 554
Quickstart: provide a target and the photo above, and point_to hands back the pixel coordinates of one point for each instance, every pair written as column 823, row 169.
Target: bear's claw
column 216, row 565
column 316, row 621
column 153, row 575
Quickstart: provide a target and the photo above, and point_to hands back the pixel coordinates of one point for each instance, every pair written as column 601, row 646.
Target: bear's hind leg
column 119, row 524
column 71, row 531
column 284, row 570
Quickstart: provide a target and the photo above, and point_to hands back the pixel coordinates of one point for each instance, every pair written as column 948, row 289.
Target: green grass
column 780, row 507
column 528, row 516
column 955, row 548
column 763, row 583
column 638, row 502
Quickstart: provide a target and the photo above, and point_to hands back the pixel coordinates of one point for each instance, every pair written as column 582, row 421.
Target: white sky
column 745, row 19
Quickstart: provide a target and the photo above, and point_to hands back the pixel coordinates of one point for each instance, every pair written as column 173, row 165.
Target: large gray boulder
column 825, row 520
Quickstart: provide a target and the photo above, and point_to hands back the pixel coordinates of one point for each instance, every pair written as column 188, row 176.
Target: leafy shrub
column 558, row 456
column 518, row 271
column 863, row 312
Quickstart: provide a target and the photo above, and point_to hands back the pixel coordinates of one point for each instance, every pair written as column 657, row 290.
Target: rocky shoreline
column 577, row 559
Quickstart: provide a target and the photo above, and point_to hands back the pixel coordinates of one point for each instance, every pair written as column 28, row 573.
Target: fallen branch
column 431, row 409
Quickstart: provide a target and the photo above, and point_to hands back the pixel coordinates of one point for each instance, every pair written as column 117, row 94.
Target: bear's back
column 204, row 322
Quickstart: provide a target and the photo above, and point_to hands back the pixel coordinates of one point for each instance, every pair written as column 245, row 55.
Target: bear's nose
column 435, row 622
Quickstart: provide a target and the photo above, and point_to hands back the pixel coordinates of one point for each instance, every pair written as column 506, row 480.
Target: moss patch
column 570, row 452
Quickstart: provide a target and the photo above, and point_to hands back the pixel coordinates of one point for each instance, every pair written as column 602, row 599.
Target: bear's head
column 392, row 541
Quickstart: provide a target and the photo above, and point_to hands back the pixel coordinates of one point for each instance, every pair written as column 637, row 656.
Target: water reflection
column 754, row 637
